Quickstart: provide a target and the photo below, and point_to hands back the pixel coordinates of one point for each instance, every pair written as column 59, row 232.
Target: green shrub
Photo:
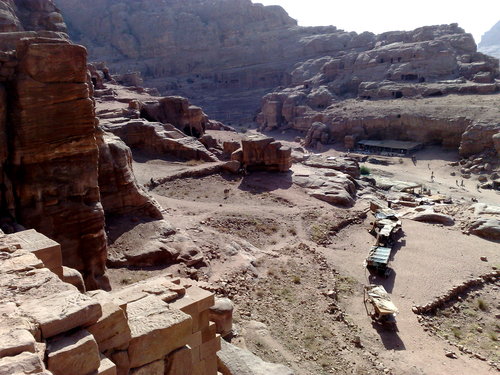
column 364, row 170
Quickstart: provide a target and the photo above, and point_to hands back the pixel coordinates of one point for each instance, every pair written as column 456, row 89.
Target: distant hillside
column 490, row 42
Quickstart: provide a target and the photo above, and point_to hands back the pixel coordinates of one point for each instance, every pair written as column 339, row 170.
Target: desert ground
column 277, row 252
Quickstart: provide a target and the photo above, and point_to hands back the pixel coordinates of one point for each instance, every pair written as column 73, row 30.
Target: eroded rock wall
column 225, row 54
column 53, row 156
column 49, row 150
column 120, row 192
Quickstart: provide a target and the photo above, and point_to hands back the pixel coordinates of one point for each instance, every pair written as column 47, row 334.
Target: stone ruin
column 47, row 326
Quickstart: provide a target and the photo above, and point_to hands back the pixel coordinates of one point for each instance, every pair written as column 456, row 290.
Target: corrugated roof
column 392, row 144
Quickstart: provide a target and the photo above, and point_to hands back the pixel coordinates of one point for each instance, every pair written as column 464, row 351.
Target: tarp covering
column 378, row 255
column 380, row 299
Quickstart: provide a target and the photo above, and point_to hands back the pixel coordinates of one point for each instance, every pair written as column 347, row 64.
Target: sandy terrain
column 279, row 275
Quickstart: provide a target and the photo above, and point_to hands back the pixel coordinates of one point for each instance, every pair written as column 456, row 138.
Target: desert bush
column 364, row 170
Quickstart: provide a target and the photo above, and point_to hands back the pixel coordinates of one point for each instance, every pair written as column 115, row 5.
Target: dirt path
column 424, row 267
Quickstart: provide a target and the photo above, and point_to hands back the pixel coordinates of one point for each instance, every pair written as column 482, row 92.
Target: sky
column 377, row 16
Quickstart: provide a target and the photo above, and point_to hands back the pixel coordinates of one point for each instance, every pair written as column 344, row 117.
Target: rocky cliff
column 225, row 54
column 49, row 141
column 490, row 42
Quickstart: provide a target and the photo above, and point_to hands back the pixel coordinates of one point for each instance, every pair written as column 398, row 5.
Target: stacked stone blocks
column 157, row 326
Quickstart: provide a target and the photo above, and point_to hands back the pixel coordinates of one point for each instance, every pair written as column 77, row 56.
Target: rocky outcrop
column 53, row 156
column 176, row 111
column 51, row 151
column 317, row 135
column 119, row 190
column 159, row 326
column 33, row 15
column 343, row 164
column 488, row 228
column 264, row 153
column 158, row 126
column 160, row 139
column 330, row 186
column 490, row 42
column 258, row 47
column 455, row 121
column 431, row 217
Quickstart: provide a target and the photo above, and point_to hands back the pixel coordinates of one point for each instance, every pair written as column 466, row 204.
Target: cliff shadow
column 117, row 225
column 262, row 182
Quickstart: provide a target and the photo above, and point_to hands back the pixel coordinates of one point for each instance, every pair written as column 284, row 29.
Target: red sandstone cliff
column 51, row 173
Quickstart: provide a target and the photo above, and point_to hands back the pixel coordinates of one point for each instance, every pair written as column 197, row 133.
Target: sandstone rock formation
column 161, row 324
column 490, row 42
column 430, row 62
column 49, row 142
column 52, row 145
column 177, row 111
column 260, row 152
column 120, row 192
column 157, row 126
column 486, row 228
column 332, row 186
column 257, row 48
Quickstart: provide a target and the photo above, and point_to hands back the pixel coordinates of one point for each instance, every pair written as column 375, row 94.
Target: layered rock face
column 120, row 192
column 53, row 156
column 49, row 142
column 238, row 51
column 223, row 55
column 490, row 42
column 401, row 68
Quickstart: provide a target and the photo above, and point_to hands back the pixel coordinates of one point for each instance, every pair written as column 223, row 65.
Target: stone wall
column 156, row 327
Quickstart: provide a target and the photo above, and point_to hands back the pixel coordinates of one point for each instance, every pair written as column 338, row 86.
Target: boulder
column 333, row 187
column 62, row 312
column 236, row 361
column 487, row 228
column 15, row 340
column 318, row 133
column 264, row 153
column 24, row 363
column 432, row 218
column 73, row 277
column 111, row 331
